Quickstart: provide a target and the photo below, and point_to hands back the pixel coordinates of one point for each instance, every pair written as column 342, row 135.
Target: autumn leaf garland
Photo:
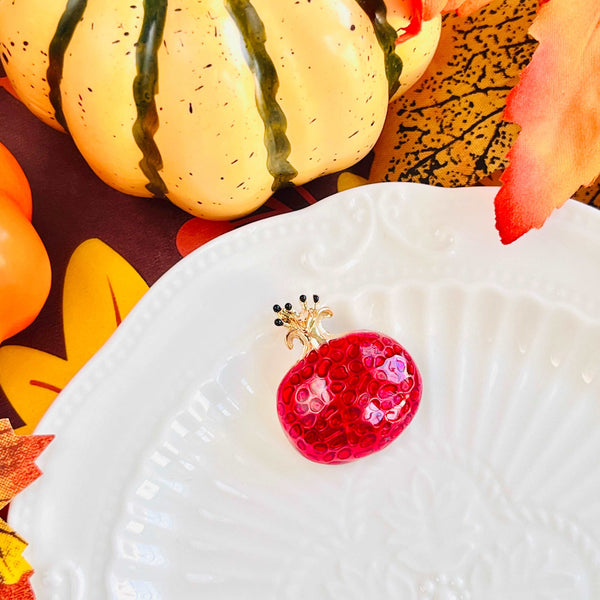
column 17, row 471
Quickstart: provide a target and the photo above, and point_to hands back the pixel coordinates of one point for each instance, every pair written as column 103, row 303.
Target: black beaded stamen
column 286, row 315
column 305, row 324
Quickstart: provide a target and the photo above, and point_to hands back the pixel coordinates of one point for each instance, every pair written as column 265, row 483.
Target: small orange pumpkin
column 25, row 273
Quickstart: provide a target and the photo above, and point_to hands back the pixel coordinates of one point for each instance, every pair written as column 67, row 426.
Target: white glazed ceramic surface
column 170, row 477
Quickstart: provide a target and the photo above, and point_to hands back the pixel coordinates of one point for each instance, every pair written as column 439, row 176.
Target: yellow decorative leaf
column 12, row 564
column 347, row 181
column 448, row 129
column 31, row 380
column 100, row 288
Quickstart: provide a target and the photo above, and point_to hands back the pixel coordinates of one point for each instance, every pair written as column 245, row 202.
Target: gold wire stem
column 306, row 325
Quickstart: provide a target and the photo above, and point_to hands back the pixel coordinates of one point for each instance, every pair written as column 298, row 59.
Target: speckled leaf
column 558, row 148
column 448, row 130
column 589, row 195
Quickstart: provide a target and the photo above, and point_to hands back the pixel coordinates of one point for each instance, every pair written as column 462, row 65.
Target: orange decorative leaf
column 448, row 129
column 17, row 456
column 18, row 591
column 557, row 105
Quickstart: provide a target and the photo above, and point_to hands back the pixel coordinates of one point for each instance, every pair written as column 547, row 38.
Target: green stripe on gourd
column 145, row 84
column 56, row 54
column 266, row 85
column 386, row 36
column 145, row 88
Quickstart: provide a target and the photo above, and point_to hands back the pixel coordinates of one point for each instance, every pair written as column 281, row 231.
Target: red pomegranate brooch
column 348, row 396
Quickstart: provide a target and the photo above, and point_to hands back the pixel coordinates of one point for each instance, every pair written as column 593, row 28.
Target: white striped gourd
column 212, row 104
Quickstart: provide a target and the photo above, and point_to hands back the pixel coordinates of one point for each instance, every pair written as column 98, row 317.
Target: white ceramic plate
column 170, row 477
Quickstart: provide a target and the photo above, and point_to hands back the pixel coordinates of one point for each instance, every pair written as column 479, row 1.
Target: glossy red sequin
column 348, row 398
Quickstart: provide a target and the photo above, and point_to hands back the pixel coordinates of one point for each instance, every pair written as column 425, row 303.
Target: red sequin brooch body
column 348, row 396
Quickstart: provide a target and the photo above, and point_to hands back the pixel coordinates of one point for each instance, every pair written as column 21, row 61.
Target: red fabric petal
column 18, row 591
column 196, row 232
column 425, row 10
column 557, row 105
column 416, row 22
